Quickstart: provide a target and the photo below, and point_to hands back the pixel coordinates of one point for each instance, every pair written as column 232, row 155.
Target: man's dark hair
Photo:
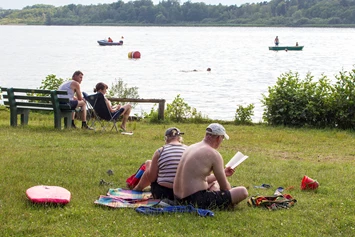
column 77, row 73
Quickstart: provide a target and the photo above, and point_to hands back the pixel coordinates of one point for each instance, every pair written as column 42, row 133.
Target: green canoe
column 293, row 48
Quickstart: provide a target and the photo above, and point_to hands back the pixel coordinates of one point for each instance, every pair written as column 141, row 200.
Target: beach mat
column 118, row 198
column 128, row 194
column 116, row 202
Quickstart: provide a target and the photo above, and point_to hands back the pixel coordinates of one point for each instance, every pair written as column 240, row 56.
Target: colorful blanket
column 119, row 197
column 129, row 194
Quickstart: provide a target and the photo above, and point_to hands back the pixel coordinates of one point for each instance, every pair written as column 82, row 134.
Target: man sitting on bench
column 75, row 96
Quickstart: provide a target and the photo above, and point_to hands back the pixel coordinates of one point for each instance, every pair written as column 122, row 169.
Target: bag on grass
column 133, row 180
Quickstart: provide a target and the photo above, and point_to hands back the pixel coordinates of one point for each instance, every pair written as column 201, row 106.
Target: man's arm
column 76, row 87
column 219, row 173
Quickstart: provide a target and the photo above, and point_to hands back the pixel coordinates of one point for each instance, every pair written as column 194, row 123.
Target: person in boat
column 102, row 88
column 296, row 43
column 161, row 169
column 276, row 41
column 109, row 40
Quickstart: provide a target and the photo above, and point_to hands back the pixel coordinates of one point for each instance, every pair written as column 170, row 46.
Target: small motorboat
column 286, row 48
column 106, row 43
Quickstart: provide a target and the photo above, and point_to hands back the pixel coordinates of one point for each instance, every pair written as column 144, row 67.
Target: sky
column 19, row 4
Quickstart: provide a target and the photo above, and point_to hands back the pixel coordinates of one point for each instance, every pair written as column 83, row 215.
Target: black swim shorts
column 208, row 199
column 161, row 192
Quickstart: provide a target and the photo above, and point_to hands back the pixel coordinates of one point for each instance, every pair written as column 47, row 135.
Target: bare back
column 197, row 162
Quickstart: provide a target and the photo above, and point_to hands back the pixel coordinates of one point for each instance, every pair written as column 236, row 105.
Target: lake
column 242, row 67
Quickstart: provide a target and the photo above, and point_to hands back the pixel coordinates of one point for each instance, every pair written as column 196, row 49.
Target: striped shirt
column 168, row 162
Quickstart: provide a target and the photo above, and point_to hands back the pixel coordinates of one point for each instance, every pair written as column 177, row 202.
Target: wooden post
column 161, row 110
column 161, row 103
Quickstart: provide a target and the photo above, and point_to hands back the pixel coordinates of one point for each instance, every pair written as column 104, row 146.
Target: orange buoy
column 134, row 54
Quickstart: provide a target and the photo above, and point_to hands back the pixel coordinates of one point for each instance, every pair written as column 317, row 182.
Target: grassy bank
column 78, row 160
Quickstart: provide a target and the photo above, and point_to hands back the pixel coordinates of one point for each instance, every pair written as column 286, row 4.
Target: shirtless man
column 201, row 178
column 75, row 96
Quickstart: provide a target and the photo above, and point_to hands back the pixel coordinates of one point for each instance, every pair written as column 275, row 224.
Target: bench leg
column 68, row 121
column 13, row 118
column 68, row 118
column 66, row 115
column 24, row 113
column 57, row 122
column 24, row 117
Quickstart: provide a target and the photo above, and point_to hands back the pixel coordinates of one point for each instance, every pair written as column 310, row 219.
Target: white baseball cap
column 217, row 129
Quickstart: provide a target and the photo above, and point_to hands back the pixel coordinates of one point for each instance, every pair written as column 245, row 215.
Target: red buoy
column 134, row 54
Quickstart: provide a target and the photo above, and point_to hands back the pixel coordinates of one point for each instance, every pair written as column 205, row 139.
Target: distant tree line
column 291, row 13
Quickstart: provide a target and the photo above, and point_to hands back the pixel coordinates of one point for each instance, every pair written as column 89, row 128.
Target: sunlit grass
column 78, row 160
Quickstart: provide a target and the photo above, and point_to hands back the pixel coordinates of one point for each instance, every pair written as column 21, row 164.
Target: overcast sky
column 19, row 4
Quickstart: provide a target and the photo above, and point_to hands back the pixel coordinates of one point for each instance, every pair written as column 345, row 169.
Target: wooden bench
column 21, row 101
column 161, row 103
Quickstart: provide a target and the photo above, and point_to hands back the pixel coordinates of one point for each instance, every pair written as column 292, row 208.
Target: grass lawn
column 77, row 160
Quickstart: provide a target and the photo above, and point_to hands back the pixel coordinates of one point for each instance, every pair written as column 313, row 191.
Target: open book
column 236, row 160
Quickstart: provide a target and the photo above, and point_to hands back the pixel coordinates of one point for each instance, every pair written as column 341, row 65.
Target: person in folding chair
column 115, row 110
column 160, row 171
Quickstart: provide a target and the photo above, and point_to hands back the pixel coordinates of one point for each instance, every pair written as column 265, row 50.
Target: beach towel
column 119, row 197
column 116, row 202
column 129, row 194
column 173, row 209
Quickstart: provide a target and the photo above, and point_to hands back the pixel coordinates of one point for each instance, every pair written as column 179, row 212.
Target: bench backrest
column 35, row 99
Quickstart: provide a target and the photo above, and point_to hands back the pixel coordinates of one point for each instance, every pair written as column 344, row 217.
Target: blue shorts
column 207, row 199
column 73, row 104
column 117, row 114
column 161, row 192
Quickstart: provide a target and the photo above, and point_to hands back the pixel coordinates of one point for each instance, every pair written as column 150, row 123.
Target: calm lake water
column 242, row 66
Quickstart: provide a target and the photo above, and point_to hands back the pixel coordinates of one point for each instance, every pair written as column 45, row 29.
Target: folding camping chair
column 98, row 110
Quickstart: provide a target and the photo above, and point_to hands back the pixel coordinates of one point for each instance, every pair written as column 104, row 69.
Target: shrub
column 120, row 90
column 284, row 102
column 243, row 114
column 153, row 115
column 296, row 102
column 180, row 111
column 51, row 83
column 343, row 100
